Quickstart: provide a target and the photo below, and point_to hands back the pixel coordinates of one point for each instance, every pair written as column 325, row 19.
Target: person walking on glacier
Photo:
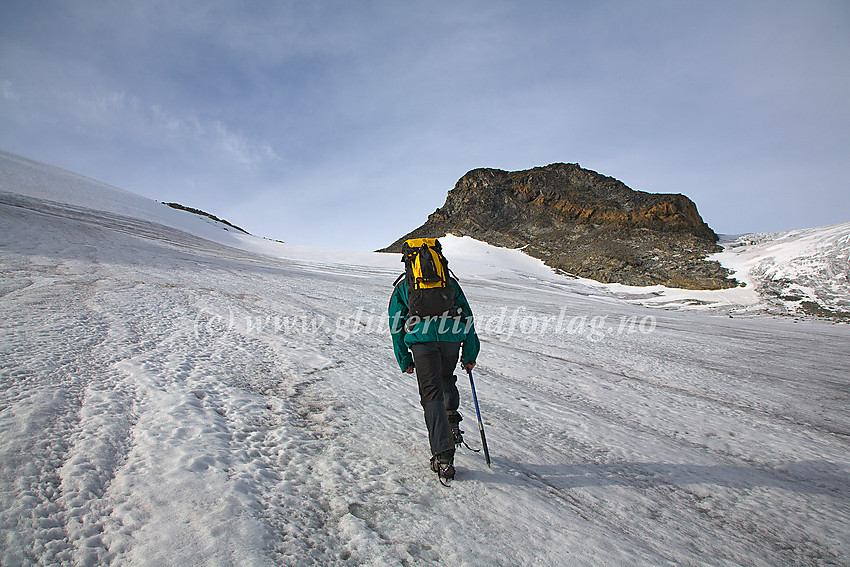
column 432, row 328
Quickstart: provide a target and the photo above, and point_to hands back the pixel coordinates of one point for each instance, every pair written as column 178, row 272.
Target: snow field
column 168, row 400
column 793, row 269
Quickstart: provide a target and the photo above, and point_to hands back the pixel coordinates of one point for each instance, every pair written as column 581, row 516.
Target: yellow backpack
column 427, row 274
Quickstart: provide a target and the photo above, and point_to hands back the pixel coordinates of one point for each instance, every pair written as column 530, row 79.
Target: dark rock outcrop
column 582, row 223
column 201, row 213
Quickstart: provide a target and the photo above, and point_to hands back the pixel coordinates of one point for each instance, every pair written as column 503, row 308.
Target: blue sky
column 345, row 123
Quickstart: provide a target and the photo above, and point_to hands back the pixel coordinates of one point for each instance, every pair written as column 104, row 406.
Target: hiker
column 431, row 318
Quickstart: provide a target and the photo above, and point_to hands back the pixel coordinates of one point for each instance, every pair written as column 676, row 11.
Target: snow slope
column 796, row 272
column 169, row 399
column 20, row 176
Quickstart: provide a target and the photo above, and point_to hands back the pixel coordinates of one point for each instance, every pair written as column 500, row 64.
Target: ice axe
column 478, row 414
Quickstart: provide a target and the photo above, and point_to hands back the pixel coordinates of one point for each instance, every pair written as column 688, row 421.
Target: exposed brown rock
column 582, row 223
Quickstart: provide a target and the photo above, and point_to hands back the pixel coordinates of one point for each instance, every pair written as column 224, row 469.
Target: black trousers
column 435, row 363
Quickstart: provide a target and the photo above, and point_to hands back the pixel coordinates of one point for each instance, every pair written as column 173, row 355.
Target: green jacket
column 441, row 329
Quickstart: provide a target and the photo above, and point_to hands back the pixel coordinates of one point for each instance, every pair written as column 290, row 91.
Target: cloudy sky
column 343, row 123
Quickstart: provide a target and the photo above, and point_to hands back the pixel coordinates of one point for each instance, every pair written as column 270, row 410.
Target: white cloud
column 240, row 148
column 119, row 115
column 8, row 92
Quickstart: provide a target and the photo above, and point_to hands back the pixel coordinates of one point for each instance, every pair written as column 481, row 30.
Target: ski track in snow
column 165, row 400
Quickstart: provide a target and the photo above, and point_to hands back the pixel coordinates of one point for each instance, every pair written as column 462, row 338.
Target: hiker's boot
column 457, row 434
column 443, row 464
column 454, row 423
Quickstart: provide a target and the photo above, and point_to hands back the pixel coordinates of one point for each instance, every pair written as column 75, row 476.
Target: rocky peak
column 561, row 194
column 583, row 223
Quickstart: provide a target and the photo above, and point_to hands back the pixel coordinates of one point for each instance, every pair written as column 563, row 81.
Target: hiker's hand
column 469, row 365
column 409, row 370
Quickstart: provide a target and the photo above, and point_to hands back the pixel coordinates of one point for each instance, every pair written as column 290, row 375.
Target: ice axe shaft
column 478, row 414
